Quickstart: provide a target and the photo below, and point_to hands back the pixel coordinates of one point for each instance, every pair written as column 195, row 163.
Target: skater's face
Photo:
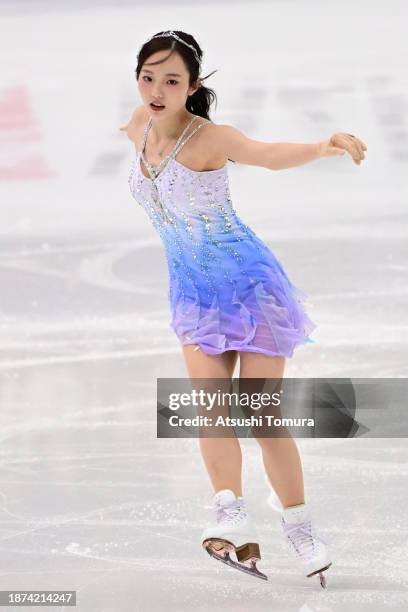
column 167, row 83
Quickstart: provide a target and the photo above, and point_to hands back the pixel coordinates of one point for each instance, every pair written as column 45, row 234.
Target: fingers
column 355, row 151
column 354, row 146
column 360, row 147
column 359, row 141
column 347, row 142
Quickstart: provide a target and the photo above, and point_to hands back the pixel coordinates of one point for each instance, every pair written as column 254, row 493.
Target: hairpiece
column 176, row 37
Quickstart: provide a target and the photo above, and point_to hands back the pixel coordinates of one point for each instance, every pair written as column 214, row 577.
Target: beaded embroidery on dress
column 227, row 290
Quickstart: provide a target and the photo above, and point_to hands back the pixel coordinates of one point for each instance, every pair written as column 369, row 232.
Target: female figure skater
column 228, row 293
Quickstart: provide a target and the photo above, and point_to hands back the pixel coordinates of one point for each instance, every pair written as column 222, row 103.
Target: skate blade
column 220, row 550
column 322, row 577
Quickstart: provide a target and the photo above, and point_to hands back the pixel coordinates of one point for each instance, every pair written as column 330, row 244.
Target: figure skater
column 228, row 293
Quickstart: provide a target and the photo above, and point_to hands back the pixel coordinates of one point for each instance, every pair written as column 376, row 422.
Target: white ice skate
column 310, row 549
column 234, row 532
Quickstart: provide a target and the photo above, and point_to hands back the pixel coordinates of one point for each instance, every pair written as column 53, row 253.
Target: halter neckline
column 156, row 171
column 172, row 159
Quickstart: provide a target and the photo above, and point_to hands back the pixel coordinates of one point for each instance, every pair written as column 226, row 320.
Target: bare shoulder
column 201, row 153
column 224, row 134
column 220, row 137
column 212, row 144
column 235, row 145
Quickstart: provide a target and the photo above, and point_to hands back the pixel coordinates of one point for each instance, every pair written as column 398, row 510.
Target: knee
column 260, row 437
column 266, row 441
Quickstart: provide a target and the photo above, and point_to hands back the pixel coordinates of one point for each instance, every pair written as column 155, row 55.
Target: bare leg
column 280, row 454
column 222, row 456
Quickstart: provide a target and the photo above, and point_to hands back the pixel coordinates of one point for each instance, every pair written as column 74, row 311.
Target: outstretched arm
column 280, row 155
column 137, row 117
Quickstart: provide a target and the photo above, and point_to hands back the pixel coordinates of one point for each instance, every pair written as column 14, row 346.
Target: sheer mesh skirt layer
column 261, row 312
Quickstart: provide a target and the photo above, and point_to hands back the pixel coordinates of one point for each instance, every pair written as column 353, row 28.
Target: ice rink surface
column 90, row 499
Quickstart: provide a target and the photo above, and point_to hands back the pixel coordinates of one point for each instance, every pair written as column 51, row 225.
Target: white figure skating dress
column 227, row 290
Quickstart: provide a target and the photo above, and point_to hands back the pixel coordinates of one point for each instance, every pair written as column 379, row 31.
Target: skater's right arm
column 137, row 119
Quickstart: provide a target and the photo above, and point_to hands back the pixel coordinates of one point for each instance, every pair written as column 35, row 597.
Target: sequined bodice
column 176, row 193
column 193, row 214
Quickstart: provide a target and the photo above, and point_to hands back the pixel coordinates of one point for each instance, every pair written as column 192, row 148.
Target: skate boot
column 310, row 549
column 234, row 533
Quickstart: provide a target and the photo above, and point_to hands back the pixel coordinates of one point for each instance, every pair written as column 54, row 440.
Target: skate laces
column 232, row 513
column 302, row 537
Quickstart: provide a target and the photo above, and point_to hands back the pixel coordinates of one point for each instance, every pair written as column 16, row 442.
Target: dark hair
column 199, row 103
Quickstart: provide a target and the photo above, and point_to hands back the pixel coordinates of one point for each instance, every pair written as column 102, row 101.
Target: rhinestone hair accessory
column 176, row 37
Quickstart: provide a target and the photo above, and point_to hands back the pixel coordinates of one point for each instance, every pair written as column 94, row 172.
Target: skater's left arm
column 280, row 155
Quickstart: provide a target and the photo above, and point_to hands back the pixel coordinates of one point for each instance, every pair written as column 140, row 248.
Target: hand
column 340, row 143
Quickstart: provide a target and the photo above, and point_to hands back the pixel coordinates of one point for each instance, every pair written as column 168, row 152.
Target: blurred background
column 90, row 499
